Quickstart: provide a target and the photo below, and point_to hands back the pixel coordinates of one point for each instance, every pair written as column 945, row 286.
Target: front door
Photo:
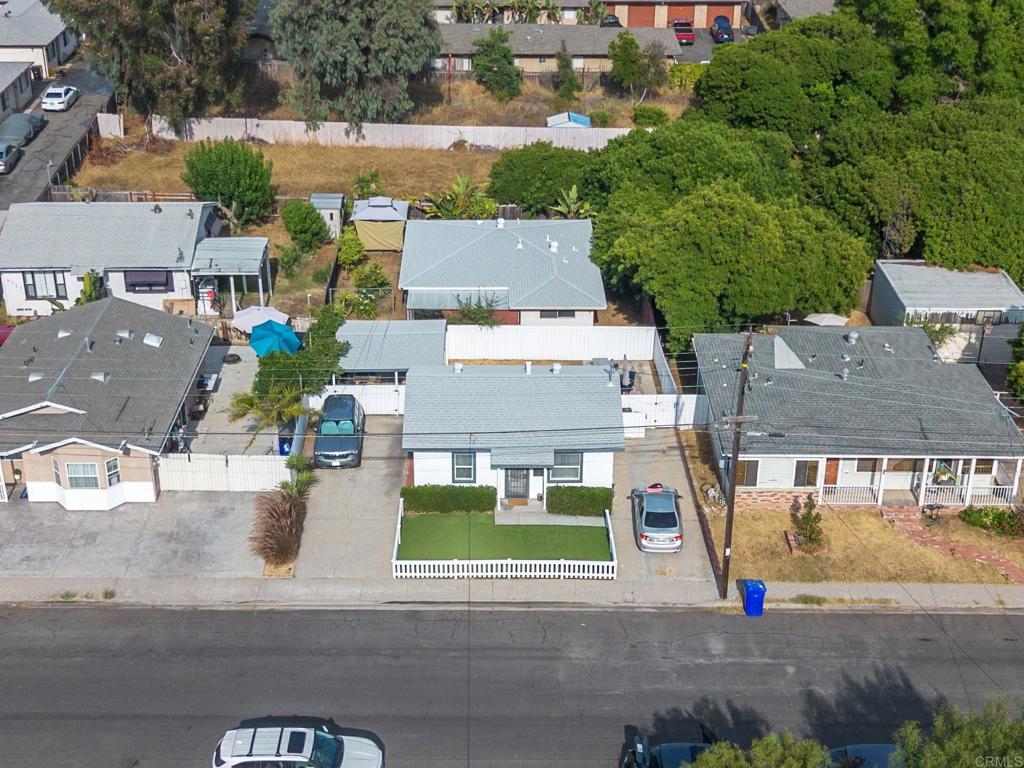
column 517, row 483
column 831, row 471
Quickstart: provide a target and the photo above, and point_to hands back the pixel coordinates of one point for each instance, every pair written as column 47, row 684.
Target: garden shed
column 331, row 208
column 380, row 223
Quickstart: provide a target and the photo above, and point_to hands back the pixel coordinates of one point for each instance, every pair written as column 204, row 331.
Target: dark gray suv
column 339, row 436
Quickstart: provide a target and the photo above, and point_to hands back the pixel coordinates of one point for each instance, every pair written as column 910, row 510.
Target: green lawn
column 465, row 536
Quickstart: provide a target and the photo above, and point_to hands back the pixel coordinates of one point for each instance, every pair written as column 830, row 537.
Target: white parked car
column 288, row 747
column 59, row 98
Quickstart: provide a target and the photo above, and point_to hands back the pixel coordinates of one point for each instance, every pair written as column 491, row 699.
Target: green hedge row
column 578, row 500
column 1002, row 520
column 450, row 498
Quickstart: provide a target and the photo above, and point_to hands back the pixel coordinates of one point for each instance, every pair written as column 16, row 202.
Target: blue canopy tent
column 273, row 336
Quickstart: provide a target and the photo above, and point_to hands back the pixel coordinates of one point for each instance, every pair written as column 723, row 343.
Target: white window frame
column 578, row 467
column 56, row 472
column 113, row 474
column 456, row 467
column 74, row 476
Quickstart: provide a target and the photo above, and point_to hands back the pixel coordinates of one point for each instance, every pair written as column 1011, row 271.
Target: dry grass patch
column 300, row 169
column 861, row 547
column 955, row 529
column 700, row 460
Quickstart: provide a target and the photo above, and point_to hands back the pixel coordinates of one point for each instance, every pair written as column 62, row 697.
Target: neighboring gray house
column 383, row 351
column 143, row 251
column 517, row 428
column 30, row 33
column 15, row 86
column 532, row 272
column 864, row 417
column 985, row 305
column 90, row 397
column 791, row 10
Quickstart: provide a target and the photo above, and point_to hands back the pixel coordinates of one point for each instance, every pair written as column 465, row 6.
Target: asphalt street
column 133, row 688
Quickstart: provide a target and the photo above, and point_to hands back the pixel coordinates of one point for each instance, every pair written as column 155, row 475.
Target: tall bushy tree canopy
column 533, row 176
column 175, row 58
column 494, row 65
column 354, row 59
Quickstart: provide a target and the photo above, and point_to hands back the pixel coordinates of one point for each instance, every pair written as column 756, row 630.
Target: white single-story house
column 30, row 32
column 519, row 429
column 531, row 272
column 863, row 417
column 15, row 87
column 90, row 397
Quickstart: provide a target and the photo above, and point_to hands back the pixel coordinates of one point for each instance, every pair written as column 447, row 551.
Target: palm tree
column 594, row 13
column 465, row 198
column 279, row 405
column 569, row 205
column 552, row 11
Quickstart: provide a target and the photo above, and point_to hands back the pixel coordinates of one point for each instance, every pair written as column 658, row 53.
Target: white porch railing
column 992, row 496
column 849, row 494
column 504, row 569
column 944, row 494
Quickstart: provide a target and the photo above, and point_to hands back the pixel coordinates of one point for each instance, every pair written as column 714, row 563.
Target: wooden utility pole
column 734, row 462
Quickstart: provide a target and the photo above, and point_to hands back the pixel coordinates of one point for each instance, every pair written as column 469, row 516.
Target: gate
column 215, row 472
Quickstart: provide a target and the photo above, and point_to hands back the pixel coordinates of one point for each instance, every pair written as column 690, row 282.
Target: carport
column 230, row 257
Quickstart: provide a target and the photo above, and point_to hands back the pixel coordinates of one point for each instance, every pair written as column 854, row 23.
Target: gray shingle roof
column 546, row 39
column 391, row 345
column 101, row 235
column 469, row 257
column 502, row 407
column 230, row 256
column 28, row 23
column 138, row 402
column 11, row 71
column 898, row 403
column 327, row 201
column 920, row 285
column 802, row 9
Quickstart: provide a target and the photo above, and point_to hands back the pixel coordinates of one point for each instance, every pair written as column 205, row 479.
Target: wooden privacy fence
column 549, row 342
column 603, row 570
column 216, row 472
column 391, row 136
column 65, row 193
column 110, row 125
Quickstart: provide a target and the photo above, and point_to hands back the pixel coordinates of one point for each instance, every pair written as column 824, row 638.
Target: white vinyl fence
column 376, row 399
column 382, row 134
column 215, row 472
column 110, row 126
column 680, row 411
column 604, row 570
column 549, row 342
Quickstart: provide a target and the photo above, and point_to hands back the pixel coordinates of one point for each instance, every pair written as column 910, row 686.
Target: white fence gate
column 110, row 126
column 549, row 342
column 376, row 399
column 680, row 411
column 216, row 472
column 383, row 134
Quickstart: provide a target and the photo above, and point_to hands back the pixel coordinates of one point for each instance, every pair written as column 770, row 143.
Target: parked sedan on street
column 9, row 156
column 20, row 128
column 656, row 523
column 59, row 98
column 721, row 30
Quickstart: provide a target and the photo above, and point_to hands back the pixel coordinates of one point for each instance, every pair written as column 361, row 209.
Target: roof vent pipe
column 851, row 337
column 554, row 246
column 846, row 374
column 528, row 367
column 556, row 368
column 501, row 223
column 519, row 245
column 457, row 367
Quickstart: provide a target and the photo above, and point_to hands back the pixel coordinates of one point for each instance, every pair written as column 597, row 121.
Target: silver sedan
column 656, row 522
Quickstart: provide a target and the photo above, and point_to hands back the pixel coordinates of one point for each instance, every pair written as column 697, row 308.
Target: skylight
column 152, row 340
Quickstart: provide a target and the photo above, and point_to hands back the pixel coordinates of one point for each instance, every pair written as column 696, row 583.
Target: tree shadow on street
column 868, row 710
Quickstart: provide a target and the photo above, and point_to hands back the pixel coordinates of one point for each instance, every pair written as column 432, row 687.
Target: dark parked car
column 339, row 436
column 9, row 156
column 721, row 30
column 664, row 755
column 684, row 32
column 611, row 20
column 20, row 128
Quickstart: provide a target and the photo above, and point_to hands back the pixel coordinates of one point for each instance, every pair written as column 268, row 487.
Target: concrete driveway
column 181, row 535
column 350, row 526
column 658, row 458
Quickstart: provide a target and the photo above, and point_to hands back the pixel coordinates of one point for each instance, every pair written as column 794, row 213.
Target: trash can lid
column 754, row 585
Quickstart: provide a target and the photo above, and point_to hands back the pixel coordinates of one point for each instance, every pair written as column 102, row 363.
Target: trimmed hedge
column 1001, row 520
column 578, row 500
column 450, row 498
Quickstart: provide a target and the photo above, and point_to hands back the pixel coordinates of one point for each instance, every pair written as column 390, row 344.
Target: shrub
column 367, row 184
column 476, row 312
column 600, row 118
column 450, row 498
column 289, row 257
column 235, row 175
column 361, row 306
column 311, row 368
column 807, row 521
column 277, row 527
column 1015, row 379
column 372, row 278
column 321, row 274
column 578, row 500
column 1002, row 520
column 683, row 76
column 567, row 82
column 304, row 224
column 351, row 252
column 645, row 115
column 532, row 176
column 494, row 65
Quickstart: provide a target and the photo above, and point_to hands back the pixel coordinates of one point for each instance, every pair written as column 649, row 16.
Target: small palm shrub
column 280, row 518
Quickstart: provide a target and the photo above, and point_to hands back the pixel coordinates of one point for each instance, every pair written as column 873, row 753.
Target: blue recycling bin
column 753, row 597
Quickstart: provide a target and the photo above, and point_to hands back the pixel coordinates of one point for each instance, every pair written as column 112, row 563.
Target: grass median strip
column 474, row 536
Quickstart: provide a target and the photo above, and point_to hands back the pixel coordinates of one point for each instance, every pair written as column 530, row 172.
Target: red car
column 684, row 32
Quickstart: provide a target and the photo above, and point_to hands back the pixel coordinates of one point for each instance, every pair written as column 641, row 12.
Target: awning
column 442, row 299
column 522, row 457
column 230, row 256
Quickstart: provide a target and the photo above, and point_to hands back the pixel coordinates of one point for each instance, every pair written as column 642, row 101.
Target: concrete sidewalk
column 367, row 593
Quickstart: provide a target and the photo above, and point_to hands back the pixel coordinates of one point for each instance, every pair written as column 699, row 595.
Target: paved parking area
column 350, row 526
column 181, row 535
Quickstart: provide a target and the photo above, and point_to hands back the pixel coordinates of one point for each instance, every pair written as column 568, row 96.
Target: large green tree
column 772, row 751
column 535, row 175
column 964, row 738
column 637, row 70
column 175, row 58
column 494, row 65
column 354, row 59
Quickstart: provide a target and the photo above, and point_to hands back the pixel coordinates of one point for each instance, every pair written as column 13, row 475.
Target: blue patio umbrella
column 273, row 336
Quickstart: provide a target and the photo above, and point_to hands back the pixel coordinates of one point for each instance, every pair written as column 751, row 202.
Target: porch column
column 970, row 482
column 1016, row 481
column 234, row 304
column 881, row 479
column 245, row 285
column 259, row 279
column 924, row 481
column 270, row 283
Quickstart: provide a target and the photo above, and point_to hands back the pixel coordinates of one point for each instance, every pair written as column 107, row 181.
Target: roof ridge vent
column 126, row 333
column 63, row 333
column 35, row 376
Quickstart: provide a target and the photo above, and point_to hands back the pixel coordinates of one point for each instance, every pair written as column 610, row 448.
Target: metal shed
column 331, row 208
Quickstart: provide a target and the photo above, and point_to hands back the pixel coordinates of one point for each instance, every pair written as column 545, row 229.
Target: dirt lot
column 302, row 169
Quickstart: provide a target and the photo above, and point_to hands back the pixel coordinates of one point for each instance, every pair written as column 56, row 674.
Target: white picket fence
column 680, row 411
column 604, row 570
column 549, row 342
column 392, row 136
column 216, row 472
column 376, row 399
